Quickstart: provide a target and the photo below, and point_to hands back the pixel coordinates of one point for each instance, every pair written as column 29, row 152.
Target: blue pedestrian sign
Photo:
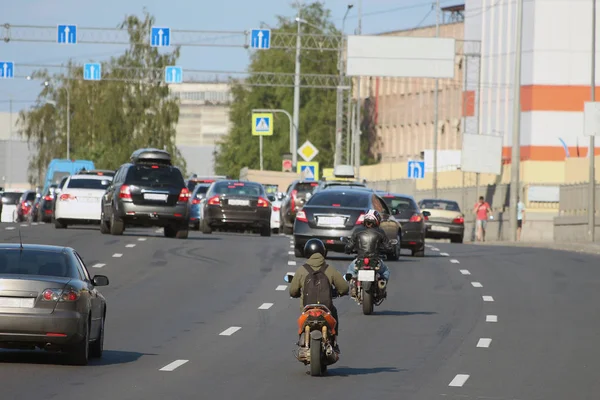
column 308, row 172
column 260, row 39
column 92, row 71
column 67, row 34
column 160, row 37
column 416, row 169
column 173, row 74
column 7, row 69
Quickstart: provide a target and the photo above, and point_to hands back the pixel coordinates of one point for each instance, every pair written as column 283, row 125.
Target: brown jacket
column 316, row 261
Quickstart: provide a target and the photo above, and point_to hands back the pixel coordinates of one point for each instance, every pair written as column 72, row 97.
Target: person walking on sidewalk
column 520, row 217
column 482, row 210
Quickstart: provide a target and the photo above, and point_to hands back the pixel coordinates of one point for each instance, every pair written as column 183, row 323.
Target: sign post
column 262, row 125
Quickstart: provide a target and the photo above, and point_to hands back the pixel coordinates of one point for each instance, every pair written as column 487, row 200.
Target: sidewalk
column 589, row 248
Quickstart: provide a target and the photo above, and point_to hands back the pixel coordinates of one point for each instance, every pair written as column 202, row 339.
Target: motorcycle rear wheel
column 317, row 366
column 367, row 303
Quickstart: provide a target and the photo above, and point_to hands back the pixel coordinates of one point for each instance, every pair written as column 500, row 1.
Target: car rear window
column 400, row 203
column 306, row 187
column 82, row 183
column 338, row 199
column 239, row 188
column 440, row 205
column 156, row 176
column 202, row 189
column 30, row 196
column 34, row 262
column 11, row 197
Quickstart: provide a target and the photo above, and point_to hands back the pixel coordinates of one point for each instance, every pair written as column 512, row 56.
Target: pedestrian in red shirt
column 482, row 210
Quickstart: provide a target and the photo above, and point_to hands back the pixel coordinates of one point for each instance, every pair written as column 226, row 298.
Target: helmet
column 372, row 216
column 313, row 246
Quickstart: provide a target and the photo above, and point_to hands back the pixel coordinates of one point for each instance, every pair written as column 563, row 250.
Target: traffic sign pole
column 269, row 110
column 260, row 146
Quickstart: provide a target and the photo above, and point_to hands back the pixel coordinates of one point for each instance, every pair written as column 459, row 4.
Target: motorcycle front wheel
column 367, row 303
column 317, row 367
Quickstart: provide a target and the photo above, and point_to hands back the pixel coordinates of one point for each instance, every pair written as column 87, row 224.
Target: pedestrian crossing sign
column 262, row 124
column 308, row 171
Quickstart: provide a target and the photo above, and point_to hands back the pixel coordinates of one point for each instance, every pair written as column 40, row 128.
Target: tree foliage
column 317, row 106
column 111, row 118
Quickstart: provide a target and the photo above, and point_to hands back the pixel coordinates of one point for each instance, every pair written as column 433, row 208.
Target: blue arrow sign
column 7, row 69
column 160, row 36
column 173, row 74
column 416, row 169
column 67, row 34
column 92, row 71
column 260, row 39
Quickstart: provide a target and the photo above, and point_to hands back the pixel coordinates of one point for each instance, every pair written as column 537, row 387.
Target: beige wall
column 282, row 179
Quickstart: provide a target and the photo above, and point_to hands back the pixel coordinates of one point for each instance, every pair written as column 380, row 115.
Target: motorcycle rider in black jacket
column 369, row 241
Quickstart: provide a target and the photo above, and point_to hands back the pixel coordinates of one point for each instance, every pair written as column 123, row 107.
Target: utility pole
column 10, row 152
column 516, row 134
column 339, row 113
column 592, row 149
column 296, row 110
column 68, row 121
column 357, row 132
column 436, row 110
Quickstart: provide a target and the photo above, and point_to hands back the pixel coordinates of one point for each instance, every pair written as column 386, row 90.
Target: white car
column 80, row 199
column 275, row 214
column 10, row 201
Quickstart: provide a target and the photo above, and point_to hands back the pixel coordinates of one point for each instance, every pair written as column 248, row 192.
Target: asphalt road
column 207, row 317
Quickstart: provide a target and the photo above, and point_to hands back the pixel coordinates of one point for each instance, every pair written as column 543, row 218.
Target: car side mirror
column 348, row 277
column 426, row 214
column 288, row 277
column 100, row 280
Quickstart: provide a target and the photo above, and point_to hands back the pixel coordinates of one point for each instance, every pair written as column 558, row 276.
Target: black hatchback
column 407, row 212
column 147, row 192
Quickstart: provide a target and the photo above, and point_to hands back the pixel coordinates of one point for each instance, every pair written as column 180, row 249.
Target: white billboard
column 482, row 154
column 400, row 57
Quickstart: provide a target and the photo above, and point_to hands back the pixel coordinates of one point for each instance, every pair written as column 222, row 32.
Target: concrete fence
column 571, row 225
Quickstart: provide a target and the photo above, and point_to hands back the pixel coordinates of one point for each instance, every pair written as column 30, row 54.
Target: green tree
column 111, row 118
column 317, row 106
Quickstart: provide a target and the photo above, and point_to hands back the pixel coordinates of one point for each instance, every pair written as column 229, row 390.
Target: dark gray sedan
column 49, row 301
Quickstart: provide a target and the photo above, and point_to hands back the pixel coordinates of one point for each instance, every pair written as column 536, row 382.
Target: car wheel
column 395, row 256
column 97, row 347
column 418, row 253
column 59, row 225
column 116, row 226
column 182, row 234
column 170, row 231
column 80, row 352
column 298, row 252
column 104, row 228
column 456, row 239
column 205, row 227
column 265, row 231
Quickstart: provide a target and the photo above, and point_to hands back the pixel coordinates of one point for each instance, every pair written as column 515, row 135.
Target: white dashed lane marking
column 453, row 261
column 459, row 380
column 142, row 239
column 491, row 318
column 172, row 366
column 444, row 254
column 98, row 265
column 484, row 342
column 281, row 287
column 291, row 262
column 291, row 246
column 34, row 224
column 291, row 252
column 24, row 225
column 488, row 298
column 117, row 255
column 476, row 284
column 130, row 245
column 265, row 306
column 10, row 228
column 465, row 272
column 230, row 331
column 435, row 249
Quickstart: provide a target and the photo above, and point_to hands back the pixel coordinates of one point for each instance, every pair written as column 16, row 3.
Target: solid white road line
column 465, row 272
column 173, row 365
column 281, row 287
column 476, row 284
column 98, row 265
column 142, row 239
column 10, row 228
column 230, row 331
column 265, row 306
column 444, row 254
column 453, row 261
column 291, row 262
column 484, row 342
column 117, row 255
column 491, row 318
column 459, row 380
column 130, row 245
column 488, row 298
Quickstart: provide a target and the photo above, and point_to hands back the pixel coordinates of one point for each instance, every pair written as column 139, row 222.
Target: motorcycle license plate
column 365, row 275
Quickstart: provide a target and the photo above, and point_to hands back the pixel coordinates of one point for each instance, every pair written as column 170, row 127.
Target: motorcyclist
column 369, row 240
column 315, row 251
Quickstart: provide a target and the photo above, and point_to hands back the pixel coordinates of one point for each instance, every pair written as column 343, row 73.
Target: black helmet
column 314, row 246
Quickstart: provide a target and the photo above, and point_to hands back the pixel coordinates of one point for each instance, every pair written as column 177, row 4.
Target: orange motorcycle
column 316, row 326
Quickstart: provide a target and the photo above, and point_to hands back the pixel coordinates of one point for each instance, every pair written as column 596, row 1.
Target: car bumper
column 439, row 230
column 73, row 211
column 34, row 328
column 330, row 237
column 133, row 214
column 215, row 217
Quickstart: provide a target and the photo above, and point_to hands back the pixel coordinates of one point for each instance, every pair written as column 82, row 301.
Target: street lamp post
column 277, row 110
column 296, row 122
column 340, row 96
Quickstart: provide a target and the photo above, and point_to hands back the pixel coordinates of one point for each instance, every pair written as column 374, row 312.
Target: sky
column 198, row 15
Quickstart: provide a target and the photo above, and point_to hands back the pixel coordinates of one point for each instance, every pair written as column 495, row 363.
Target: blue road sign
column 67, row 34
column 260, row 39
column 160, row 37
column 307, row 172
column 416, row 169
column 92, row 71
column 173, row 74
column 7, row 69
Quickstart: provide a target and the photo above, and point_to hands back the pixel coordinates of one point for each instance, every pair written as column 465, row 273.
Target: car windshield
column 239, row 188
column 440, row 205
column 155, row 176
column 34, row 262
column 82, row 183
column 11, row 197
column 338, row 199
column 399, row 203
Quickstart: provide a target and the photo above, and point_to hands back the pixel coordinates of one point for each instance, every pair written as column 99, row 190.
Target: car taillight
column 48, row 198
column 301, row 216
column 60, row 295
column 262, row 202
column 275, row 208
column 415, row 218
column 125, row 192
column 66, row 197
column 214, row 201
column 196, row 201
column 360, row 219
column 293, row 205
column 184, row 195
column 459, row 220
